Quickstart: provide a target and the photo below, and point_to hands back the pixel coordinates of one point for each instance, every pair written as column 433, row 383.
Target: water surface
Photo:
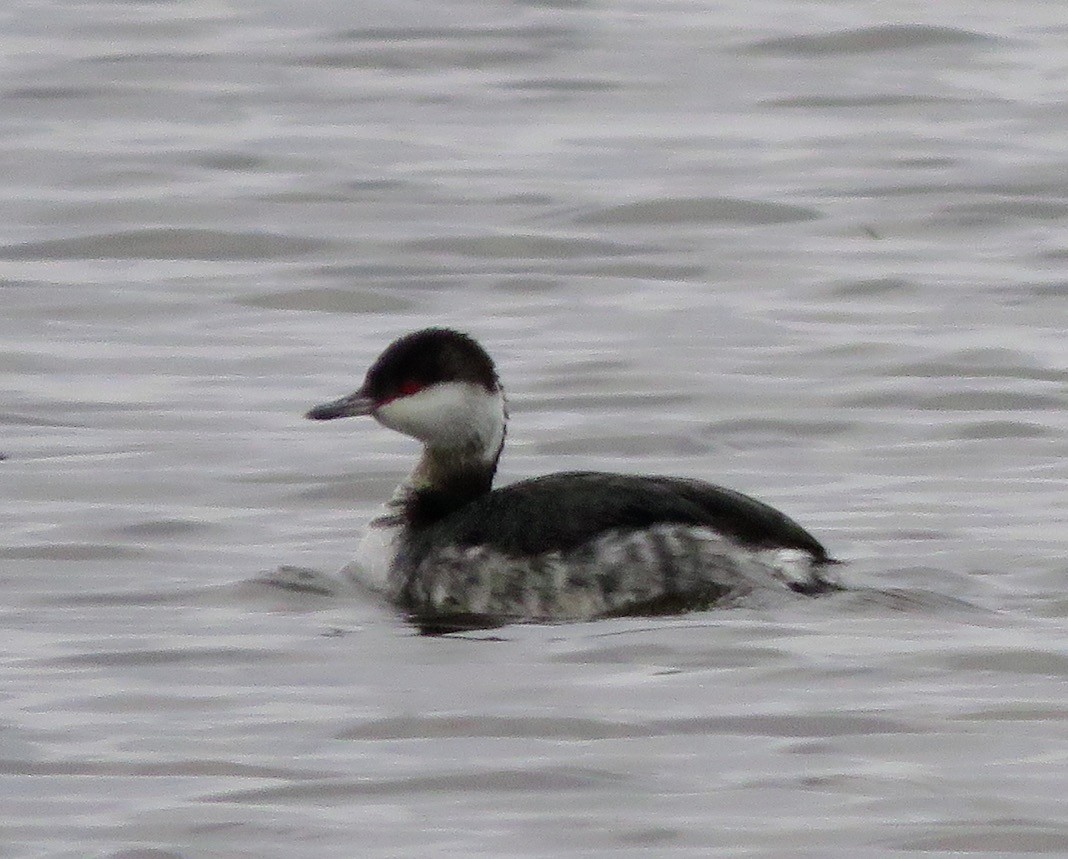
column 812, row 251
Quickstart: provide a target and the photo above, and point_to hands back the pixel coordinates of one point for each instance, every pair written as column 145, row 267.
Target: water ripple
column 704, row 210
column 520, row 246
column 867, row 40
column 165, row 243
column 505, row 781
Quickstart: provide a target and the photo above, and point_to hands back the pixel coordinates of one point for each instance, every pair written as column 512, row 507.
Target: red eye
column 408, row 388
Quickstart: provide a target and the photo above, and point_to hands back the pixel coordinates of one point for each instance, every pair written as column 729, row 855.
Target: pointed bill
column 354, row 405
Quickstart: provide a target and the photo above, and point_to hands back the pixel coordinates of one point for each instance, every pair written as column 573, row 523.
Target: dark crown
column 425, row 358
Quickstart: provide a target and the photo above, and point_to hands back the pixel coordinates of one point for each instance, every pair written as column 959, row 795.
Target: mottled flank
column 659, row 570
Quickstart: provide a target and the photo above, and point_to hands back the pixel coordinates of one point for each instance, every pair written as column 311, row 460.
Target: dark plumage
column 564, row 546
column 424, row 358
column 559, row 512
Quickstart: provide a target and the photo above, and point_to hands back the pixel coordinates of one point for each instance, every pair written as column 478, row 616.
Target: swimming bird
column 453, row 552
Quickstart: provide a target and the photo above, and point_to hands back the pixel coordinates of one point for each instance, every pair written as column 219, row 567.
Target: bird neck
column 446, row 478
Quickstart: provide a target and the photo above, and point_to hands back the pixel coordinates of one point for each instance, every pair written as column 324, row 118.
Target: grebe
column 455, row 553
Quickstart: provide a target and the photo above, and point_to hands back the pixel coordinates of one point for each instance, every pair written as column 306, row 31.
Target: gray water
column 814, row 251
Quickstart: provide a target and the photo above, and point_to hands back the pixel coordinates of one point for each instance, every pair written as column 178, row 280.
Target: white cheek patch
column 449, row 414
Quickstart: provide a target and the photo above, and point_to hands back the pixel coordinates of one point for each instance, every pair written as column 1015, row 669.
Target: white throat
column 460, row 423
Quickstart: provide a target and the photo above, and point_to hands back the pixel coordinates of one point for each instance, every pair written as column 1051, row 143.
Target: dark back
column 560, row 512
